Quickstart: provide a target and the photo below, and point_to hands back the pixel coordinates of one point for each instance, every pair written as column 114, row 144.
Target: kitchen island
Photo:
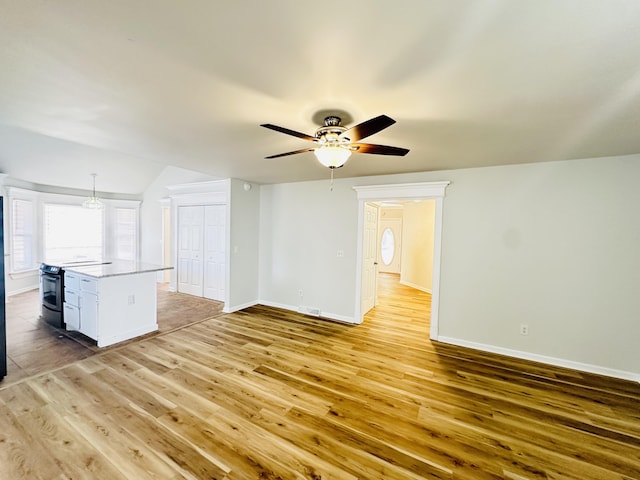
column 112, row 301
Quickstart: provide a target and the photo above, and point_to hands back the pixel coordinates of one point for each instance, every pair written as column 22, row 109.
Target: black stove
column 52, row 294
column 52, row 288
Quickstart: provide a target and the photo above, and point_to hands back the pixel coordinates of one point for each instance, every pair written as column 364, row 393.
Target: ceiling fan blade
column 289, row 132
column 367, row 128
column 379, row 149
column 292, row 153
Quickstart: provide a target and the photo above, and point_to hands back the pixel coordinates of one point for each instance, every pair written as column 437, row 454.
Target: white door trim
column 216, row 192
column 425, row 190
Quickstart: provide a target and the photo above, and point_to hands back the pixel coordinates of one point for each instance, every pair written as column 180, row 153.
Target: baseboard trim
column 558, row 362
column 417, row 287
column 235, row 308
column 121, row 337
column 323, row 314
column 21, row 290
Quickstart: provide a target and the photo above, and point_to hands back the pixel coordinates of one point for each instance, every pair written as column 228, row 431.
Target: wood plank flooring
column 270, row 394
column 34, row 346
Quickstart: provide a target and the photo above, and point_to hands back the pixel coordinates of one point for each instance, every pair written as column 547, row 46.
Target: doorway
column 402, row 192
column 404, row 245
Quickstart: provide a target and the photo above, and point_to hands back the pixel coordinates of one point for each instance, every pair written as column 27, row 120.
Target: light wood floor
column 34, row 346
column 269, row 394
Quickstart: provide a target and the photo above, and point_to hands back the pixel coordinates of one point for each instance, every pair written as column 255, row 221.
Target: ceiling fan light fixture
column 332, row 156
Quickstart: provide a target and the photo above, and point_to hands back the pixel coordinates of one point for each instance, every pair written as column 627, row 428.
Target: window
column 72, row 232
column 125, row 234
column 22, row 235
column 387, row 246
column 55, row 227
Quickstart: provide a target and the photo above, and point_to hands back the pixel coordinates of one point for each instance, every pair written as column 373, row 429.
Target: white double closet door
column 202, row 251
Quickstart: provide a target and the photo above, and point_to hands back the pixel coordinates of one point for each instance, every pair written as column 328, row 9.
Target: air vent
column 315, row 312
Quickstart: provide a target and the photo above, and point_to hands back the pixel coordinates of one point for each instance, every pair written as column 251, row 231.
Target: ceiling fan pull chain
column 332, row 169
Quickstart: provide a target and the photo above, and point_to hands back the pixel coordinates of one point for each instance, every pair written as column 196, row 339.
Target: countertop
column 115, row 267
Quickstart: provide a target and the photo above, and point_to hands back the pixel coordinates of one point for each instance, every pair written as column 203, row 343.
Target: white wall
column 244, row 242
column 151, row 212
column 551, row 245
column 417, row 244
column 302, row 228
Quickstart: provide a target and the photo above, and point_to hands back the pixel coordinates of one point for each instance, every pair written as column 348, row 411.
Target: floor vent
column 315, row 312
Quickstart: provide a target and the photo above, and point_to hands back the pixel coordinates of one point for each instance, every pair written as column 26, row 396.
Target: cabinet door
column 89, row 315
column 72, row 317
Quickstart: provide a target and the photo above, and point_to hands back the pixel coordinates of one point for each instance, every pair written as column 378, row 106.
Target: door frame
column 215, row 192
column 406, row 191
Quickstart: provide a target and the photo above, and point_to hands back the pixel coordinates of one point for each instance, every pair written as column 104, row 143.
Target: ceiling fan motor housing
column 332, row 121
column 330, row 133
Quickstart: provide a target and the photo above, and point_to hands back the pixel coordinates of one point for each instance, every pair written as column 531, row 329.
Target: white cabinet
column 88, row 284
column 113, row 308
column 89, row 314
column 72, row 301
column 72, row 317
column 81, row 304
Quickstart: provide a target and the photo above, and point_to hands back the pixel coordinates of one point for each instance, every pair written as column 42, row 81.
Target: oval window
column 387, row 246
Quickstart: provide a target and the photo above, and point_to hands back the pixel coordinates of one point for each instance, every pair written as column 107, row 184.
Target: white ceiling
column 124, row 88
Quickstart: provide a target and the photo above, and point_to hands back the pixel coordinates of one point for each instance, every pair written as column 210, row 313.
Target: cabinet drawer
column 71, row 297
column 72, row 317
column 72, row 281
column 89, row 285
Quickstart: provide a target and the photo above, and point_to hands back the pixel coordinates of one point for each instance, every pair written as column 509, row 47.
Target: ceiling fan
column 335, row 143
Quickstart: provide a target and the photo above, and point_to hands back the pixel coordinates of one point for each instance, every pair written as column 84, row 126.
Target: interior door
column 190, row 249
column 369, row 256
column 215, row 219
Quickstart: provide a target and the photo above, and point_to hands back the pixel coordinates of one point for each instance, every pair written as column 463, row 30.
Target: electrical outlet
column 524, row 329
column 340, row 253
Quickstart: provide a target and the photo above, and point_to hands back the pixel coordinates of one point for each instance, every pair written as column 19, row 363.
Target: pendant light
column 93, row 202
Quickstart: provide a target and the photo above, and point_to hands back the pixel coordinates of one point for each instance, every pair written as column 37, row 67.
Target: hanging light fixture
column 334, row 149
column 332, row 156
column 93, row 202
